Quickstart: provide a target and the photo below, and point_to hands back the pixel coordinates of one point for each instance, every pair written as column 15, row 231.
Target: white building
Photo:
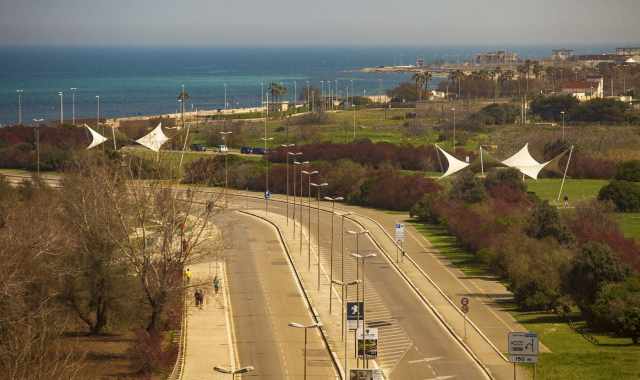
column 583, row 90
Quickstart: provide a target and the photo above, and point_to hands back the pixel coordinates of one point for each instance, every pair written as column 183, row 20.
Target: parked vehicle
column 246, row 150
column 258, row 150
column 222, row 148
column 198, row 148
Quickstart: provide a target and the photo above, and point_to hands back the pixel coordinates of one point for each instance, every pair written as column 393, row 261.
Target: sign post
column 365, row 374
column 464, row 301
column 400, row 234
column 368, row 343
column 523, row 348
column 355, row 315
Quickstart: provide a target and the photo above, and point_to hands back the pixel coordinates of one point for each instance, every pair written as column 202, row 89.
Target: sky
column 318, row 22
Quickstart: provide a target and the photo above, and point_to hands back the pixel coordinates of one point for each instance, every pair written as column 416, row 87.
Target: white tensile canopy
column 154, row 140
column 455, row 165
column 525, row 163
column 97, row 138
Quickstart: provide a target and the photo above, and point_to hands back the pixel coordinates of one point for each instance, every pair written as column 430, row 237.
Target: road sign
column 523, row 344
column 355, row 315
column 464, row 301
column 400, row 232
column 367, row 342
column 365, row 374
column 465, row 308
column 267, row 195
column 523, row 358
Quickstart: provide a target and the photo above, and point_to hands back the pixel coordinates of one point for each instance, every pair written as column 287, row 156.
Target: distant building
column 419, row 62
column 628, row 51
column 583, row 90
column 500, row 57
column 561, row 54
column 593, row 60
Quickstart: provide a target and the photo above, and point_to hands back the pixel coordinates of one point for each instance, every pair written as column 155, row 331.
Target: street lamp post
column 36, row 123
column 342, row 233
column 454, row 129
column 357, row 235
column 309, row 174
column 225, row 96
column 345, row 294
column 233, row 372
column 318, row 187
column 61, row 95
column 333, row 207
column 301, row 200
column 287, row 154
column 563, row 113
column 226, row 166
column 363, row 257
column 305, row 327
column 267, row 167
column 19, row 92
column 73, row 105
column 98, row 118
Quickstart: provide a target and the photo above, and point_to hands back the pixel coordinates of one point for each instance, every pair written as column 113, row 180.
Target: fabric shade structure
column 455, row 165
column 525, row 163
column 96, row 138
column 154, row 140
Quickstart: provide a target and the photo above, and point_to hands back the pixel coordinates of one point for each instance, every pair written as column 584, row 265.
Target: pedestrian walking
column 187, row 275
column 200, row 298
column 216, row 284
column 566, row 201
column 196, row 296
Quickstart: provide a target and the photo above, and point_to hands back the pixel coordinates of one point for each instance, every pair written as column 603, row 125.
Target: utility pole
column 73, row 105
column 61, row 108
column 19, row 106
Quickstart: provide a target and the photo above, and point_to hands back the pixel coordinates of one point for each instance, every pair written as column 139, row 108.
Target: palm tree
column 457, row 76
column 183, row 97
column 277, row 91
column 496, row 74
column 421, row 78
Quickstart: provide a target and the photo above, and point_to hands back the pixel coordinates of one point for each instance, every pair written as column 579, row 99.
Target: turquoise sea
column 144, row 80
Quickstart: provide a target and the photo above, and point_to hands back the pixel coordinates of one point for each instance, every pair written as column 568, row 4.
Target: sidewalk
column 209, row 329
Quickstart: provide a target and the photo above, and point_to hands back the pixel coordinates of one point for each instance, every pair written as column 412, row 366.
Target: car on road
column 259, row 150
column 246, row 150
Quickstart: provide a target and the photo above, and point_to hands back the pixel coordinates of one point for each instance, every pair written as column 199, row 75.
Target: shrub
column 497, row 114
column 600, row 110
column 628, row 171
column 424, row 211
column 549, row 108
column 618, row 308
column 467, row 188
column 392, row 190
column 595, row 266
column 625, row 195
column 545, row 222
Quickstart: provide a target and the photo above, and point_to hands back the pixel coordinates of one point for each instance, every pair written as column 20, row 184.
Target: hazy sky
column 326, row 22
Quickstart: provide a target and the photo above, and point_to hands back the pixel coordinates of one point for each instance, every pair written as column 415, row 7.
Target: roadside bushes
column 624, row 190
column 618, row 308
column 496, row 114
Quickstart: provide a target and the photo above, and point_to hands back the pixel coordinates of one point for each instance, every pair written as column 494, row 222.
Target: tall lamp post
column 287, row 155
column 342, row 233
column 19, row 92
column 345, row 291
column 233, row 372
column 454, row 129
column 563, row 113
column 305, row 327
column 98, row 118
column 363, row 257
column 333, row 208
column 304, row 163
column 308, row 174
column 61, row 95
column 318, row 187
column 73, row 105
column 267, row 168
column 295, row 163
column 357, row 235
column 226, row 166
column 36, row 123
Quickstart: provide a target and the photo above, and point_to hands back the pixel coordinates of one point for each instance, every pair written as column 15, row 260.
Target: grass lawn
column 629, row 223
column 571, row 356
column 576, row 189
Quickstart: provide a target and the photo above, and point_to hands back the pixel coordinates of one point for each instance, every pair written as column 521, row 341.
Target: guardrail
column 178, row 367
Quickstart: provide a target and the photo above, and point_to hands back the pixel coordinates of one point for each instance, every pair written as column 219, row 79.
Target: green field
column 577, row 190
column 572, row 356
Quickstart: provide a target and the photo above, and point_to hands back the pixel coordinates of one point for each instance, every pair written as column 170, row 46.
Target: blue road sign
column 267, row 195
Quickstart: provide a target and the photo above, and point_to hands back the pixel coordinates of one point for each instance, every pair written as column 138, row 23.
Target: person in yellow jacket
column 187, row 275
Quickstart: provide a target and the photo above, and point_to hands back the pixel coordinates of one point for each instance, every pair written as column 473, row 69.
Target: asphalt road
column 413, row 343
column 264, row 299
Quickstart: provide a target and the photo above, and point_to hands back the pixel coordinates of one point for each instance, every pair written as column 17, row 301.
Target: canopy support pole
column 481, row 161
column 566, row 169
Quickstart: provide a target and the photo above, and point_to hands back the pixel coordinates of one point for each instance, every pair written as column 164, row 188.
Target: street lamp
column 318, row 187
column 295, row 163
column 357, row 235
column 363, row 257
column 287, row 154
column 345, row 295
column 342, row 233
column 19, row 92
column 308, row 174
column 266, row 152
column 454, row 129
column 305, row 327
column 233, row 372
column 333, row 207
column 301, row 200
column 73, row 105
column 36, row 123
column 98, row 118
column 61, row 95
column 226, row 166
column 563, row 113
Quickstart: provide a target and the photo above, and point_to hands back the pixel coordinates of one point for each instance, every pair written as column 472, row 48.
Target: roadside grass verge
column 571, row 356
column 577, row 190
